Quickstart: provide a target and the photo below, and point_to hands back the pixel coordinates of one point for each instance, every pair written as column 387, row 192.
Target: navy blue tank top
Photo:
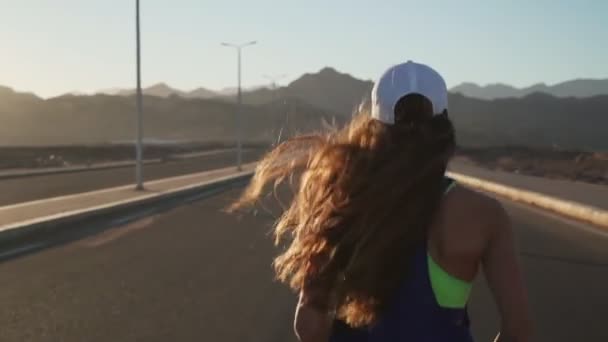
column 413, row 315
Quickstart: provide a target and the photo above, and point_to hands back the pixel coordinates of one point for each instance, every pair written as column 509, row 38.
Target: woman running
column 382, row 246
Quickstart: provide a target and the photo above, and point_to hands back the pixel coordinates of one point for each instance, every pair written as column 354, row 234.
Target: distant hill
column 13, row 98
column 327, row 89
column 536, row 120
column 108, row 91
column 69, row 119
column 310, row 102
column 573, row 88
column 200, row 93
column 16, row 102
column 162, row 90
column 488, row 92
column 232, row 91
column 159, row 89
column 332, row 90
column 347, row 92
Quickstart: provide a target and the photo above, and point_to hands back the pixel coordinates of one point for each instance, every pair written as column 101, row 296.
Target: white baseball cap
column 404, row 79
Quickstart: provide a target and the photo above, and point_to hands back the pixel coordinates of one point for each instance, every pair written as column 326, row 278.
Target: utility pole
column 139, row 127
column 239, row 143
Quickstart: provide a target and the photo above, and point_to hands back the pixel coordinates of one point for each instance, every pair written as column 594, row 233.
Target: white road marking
column 126, row 219
column 118, row 232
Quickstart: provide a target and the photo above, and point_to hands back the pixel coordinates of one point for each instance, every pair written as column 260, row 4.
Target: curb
column 575, row 210
column 63, row 221
column 74, row 169
column 43, row 226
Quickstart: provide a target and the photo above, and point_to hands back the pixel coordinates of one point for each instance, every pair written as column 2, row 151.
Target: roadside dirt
column 589, row 167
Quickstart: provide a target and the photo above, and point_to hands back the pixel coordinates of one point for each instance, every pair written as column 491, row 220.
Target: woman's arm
column 311, row 324
column 504, row 276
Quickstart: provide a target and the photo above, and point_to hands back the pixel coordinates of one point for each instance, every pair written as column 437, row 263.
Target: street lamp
column 139, row 127
column 239, row 149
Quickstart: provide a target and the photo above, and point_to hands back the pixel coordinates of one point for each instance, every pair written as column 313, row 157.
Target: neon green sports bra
column 450, row 292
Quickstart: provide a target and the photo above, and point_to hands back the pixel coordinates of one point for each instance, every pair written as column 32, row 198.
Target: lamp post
column 239, row 148
column 139, row 126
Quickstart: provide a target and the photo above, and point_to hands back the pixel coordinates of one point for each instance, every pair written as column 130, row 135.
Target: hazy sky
column 55, row 46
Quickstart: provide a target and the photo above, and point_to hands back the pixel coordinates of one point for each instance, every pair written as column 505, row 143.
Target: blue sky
column 54, row 46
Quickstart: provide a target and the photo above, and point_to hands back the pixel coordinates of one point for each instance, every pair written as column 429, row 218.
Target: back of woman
column 431, row 304
column 382, row 246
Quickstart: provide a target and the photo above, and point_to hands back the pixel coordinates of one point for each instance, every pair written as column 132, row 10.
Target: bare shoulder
column 466, row 226
column 469, row 199
column 479, row 209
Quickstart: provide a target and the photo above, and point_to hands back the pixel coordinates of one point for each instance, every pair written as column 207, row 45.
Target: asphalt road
column 197, row 274
column 17, row 190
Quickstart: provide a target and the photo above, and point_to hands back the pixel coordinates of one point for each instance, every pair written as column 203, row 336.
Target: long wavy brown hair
column 363, row 199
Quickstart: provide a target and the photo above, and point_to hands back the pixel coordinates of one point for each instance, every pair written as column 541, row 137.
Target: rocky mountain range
column 573, row 88
column 307, row 103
